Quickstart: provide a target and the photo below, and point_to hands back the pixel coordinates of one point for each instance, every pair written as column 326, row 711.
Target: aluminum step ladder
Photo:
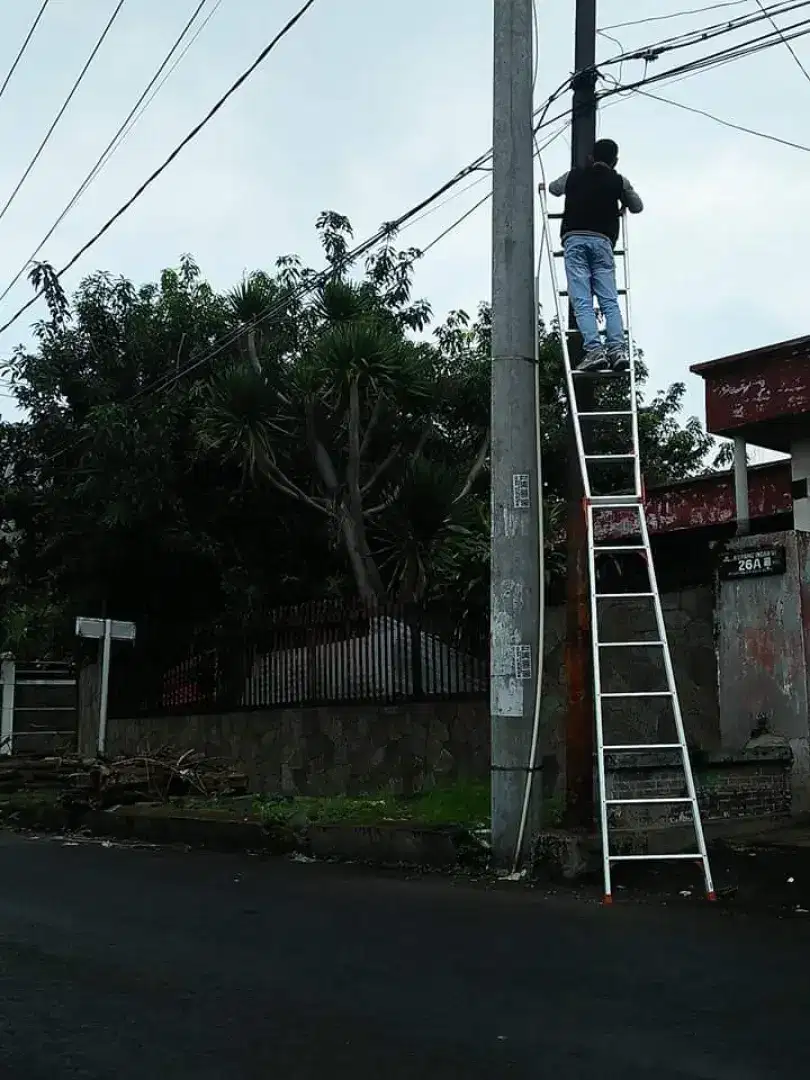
column 618, row 467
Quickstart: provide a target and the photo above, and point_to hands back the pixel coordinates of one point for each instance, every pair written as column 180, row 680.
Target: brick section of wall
column 689, row 618
column 744, row 784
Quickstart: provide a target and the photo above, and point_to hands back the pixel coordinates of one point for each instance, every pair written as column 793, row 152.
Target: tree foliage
column 189, row 456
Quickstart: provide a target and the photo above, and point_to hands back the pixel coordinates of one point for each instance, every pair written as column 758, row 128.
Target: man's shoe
column 618, row 360
column 592, row 362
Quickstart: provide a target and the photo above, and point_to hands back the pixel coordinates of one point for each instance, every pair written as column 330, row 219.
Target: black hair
column 606, row 151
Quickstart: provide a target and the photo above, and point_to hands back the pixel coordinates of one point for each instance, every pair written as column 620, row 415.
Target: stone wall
column 329, row 751
column 747, row 783
column 403, row 747
column 689, row 618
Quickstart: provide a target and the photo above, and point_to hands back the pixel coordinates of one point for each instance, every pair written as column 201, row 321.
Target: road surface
column 117, row 964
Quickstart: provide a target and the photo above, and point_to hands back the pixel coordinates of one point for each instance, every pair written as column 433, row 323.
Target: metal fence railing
column 316, row 654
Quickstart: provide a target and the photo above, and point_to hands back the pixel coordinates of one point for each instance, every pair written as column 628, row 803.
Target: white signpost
column 7, row 679
column 105, row 631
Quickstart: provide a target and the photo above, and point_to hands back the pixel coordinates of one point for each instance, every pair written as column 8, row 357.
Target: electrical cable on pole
column 23, row 47
column 675, row 15
column 288, row 26
column 410, row 216
column 63, row 109
column 108, row 151
column 787, row 44
column 478, row 164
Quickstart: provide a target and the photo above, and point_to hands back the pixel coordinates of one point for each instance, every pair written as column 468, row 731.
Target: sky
column 366, row 108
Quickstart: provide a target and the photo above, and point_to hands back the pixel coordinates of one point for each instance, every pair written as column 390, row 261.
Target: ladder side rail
column 597, row 697
column 631, row 354
column 569, row 378
column 676, row 708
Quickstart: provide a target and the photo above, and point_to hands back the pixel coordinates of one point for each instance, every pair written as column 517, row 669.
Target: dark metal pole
column 579, row 734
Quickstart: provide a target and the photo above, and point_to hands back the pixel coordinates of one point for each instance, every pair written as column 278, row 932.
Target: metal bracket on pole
column 105, row 631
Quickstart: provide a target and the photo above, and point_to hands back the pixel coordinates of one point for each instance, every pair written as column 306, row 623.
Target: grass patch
column 461, row 804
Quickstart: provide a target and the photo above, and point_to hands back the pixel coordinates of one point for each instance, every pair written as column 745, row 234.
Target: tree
column 359, row 395
column 190, row 456
column 115, row 507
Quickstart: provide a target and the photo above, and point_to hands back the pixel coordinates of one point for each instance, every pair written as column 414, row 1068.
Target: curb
column 438, row 846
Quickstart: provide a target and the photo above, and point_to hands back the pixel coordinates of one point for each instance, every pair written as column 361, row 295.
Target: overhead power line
column 674, row 15
column 62, row 111
column 719, row 120
column 384, row 232
column 314, row 282
column 725, row 56
column 23, row 47
column 288, row 26
column 716, row 59
column 381, row 235
column 787, row 44
column 704, row 34
column 118, row 138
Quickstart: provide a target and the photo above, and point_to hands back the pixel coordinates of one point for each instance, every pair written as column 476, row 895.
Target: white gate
column 39, row 707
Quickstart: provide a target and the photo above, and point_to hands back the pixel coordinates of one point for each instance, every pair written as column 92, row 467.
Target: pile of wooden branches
column 152, row 776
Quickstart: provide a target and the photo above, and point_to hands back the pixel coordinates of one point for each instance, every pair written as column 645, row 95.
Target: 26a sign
column 759, row 562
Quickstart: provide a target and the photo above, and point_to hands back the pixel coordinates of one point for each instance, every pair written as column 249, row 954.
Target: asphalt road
column 120, row 963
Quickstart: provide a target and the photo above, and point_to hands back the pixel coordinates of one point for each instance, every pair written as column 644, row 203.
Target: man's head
column 606, row 151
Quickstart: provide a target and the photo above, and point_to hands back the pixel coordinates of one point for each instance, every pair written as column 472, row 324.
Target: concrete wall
column 763, row 649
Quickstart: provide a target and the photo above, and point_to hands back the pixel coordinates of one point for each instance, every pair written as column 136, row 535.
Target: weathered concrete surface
column 763, row 641
column 763, row 393
column 704, row 502
column 199, row 967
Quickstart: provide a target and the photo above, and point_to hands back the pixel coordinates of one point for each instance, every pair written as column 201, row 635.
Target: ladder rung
column 644, row 746
column 559, row 254
column 607, row 412
column 619, row 292
column 624, row 595
column 610, row 457
column 555, row 217
column 621, row 547
column 638, row 802
column 627, row 644
column 696, row 857
column 636, row 694
column 645, row 802
column 615, row 502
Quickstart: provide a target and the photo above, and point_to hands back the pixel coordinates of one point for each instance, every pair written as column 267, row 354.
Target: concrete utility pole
column 514, row 558
column 579, row 735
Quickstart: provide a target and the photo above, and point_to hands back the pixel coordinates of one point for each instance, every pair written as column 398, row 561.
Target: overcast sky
column 368, row 106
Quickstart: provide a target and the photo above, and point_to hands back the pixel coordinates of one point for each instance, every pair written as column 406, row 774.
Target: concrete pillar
column 763, row 653
column 89, row 693
column 800, row 469
column 741, row 486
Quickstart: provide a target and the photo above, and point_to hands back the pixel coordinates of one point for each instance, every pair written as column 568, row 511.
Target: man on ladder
column 595, row 197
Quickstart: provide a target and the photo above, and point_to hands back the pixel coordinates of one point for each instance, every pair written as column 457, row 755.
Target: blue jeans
column 591, row 271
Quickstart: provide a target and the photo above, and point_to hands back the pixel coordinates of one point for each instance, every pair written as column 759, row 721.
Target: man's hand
column 541, row 188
